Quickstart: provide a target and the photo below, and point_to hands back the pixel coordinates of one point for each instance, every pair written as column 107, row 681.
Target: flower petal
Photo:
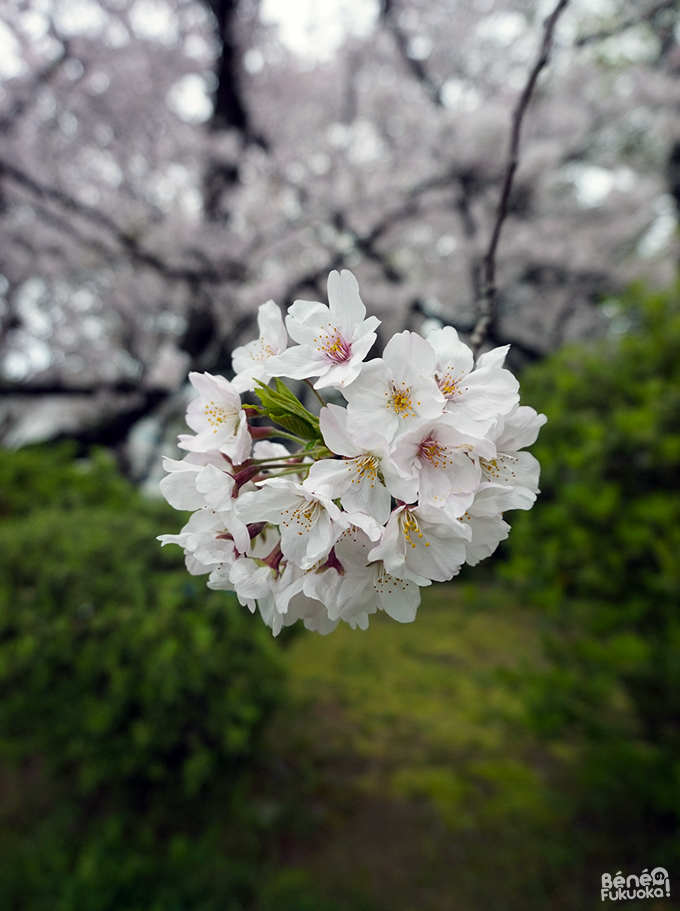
column 346, row 306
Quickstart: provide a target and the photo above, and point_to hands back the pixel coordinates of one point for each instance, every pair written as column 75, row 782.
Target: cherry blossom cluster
column 365, row 503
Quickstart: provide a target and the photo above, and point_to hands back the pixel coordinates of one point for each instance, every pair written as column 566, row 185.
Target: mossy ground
column 428, row 791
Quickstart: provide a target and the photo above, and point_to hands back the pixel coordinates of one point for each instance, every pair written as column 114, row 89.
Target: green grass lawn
column 428, row 790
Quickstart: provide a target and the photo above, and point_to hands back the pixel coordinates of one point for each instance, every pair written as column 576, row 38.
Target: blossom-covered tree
column 166, row 166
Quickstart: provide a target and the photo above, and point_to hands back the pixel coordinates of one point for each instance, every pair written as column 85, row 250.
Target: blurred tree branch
column 130, row 244
column 388, row 16
column 59, row 387
column 366, row 241
column 489, row 291
column 646, row 16
column 30, row 93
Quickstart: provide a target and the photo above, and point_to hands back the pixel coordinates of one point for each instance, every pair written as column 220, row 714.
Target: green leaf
column 285, row 409
column 297, row 426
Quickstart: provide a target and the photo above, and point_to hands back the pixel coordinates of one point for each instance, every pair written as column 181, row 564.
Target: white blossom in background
column 365, row 504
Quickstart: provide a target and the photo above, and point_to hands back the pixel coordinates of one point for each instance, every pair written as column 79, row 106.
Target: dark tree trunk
column 230, row 110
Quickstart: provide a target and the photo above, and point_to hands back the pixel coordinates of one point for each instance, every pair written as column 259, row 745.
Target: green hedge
column 600, row 554
column 131, row 701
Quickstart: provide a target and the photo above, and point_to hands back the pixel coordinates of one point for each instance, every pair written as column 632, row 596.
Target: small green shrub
column 116, row 666
column 36, row 477
column 599, row 554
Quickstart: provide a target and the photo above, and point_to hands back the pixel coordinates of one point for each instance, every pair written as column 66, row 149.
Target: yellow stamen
column 400, row 400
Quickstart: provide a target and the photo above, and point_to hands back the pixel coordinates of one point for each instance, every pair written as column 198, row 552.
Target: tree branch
column 487, row 301
column 129, row 244
column 646, row 16
column 416, row 67
column 528, row 351
column 58, row 387
column 30, row 92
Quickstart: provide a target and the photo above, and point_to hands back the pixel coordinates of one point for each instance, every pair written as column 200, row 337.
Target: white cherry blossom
column 320, row 583
column 487, row 533
column 179, row 485
column 473, row 392
column 305, row 520
column 312, row 612
column 518, row 429
column 422, row 543
column 265, row 449
column 358, row 478
column 518, row 472
column 311, row 531
column 366, row 585
column 247, row 575
column 393, row 391
column 250, row 361
column 251, row 581
column 436, row 464
column 207, row 541
column 288, row 602
column 217, row 418
column 333, row 341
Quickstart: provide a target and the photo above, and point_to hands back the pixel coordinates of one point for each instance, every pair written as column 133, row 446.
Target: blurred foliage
column 131, row 703
column 434, row 794
column 37, row 477
column 599, row 554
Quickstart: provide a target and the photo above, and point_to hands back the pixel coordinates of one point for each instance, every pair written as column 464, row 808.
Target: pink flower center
column 336, row 349
column 450, row 385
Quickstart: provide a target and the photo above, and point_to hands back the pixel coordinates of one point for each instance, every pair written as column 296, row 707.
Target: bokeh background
column 165, row 167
